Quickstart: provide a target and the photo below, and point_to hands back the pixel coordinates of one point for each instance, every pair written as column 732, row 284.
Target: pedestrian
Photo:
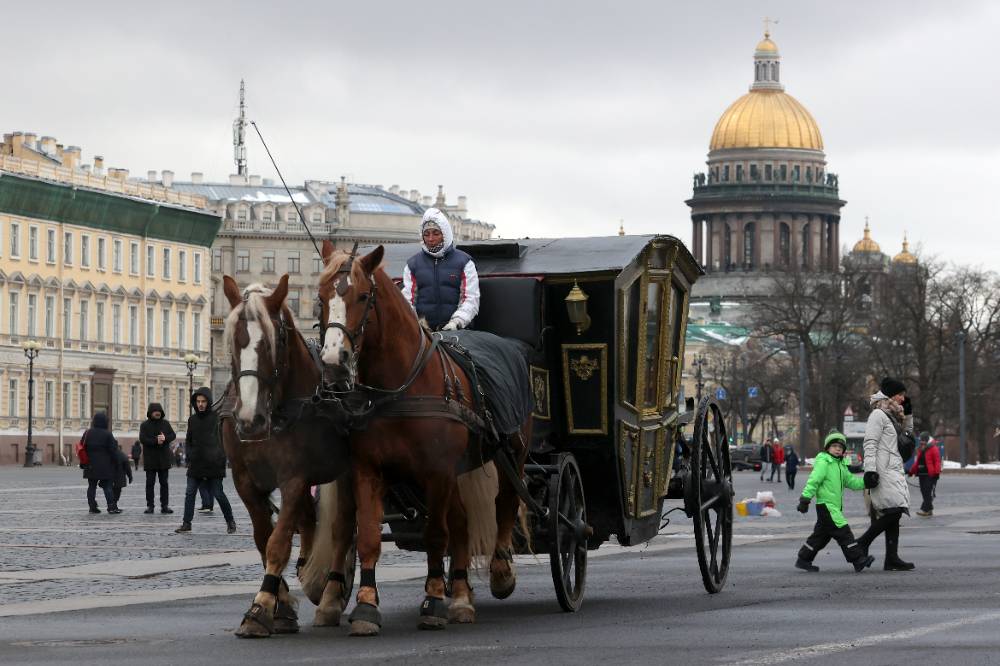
column 156, row 434
column 829, row 477
column 927, row 468
column 136, row 453
column 887, row 444
column 791, row 466
column 766, row 454
column 101, row 450
column 123, row 472
column 777, row 460
column 206, row 459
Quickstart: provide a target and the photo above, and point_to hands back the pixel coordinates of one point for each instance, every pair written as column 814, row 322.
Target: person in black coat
column 791, row 466
column 206, row 459
column 123, row 473
column 102, row 451
column 136, row 453
column 155, row 434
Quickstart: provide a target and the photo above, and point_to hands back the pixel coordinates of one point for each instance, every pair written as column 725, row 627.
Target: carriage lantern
column 576, row 307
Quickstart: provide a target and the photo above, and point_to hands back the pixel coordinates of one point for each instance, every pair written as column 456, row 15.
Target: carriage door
column 648, row 372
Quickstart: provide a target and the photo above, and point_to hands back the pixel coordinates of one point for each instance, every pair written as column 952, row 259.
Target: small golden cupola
column 905, row 257
column 867, row 244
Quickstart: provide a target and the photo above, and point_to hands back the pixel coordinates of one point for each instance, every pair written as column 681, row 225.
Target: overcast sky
column 554, row 118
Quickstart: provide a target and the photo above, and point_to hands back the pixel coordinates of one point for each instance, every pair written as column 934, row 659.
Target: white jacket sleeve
column 409, row 287
column 873, row 435
column 468, row 298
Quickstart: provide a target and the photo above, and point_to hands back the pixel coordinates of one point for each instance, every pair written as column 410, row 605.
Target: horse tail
column 478, row 490
column 313, row 574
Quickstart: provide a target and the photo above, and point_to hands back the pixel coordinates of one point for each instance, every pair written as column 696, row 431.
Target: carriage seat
column 511, row 307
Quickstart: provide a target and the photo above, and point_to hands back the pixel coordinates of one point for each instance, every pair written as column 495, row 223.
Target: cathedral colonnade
column 761, row 241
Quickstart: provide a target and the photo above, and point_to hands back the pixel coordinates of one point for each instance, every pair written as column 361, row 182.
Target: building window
column 267, row 261
column 242, row 261
column 241, row 214
column 149, row 395
column 133, row 324
column 784, row 244
column 68, row 248
column 150, row 261
column 33, row 243
column 181, row 266
column 100, row 321
column 291, row 216
column 67, row 400
column 739, row 173
column 196, row 331
column 50, row 246
column 32, row 311
column 317, row 217
column 725, row 173
column 84, row 400
column 149, row 327
column 15, row 240
column 116, row 404
column 804, row 255
column 84, row 312
column 181, row 321
column 267, row 215
column 749, row 245
column 754, row 174
column 293, row 301
column 182, row 399
column 197, row 267
column 13, row 330
column 133, row 258
column 293, row 261
column 116, row 323
column 217, row 261
column 166, row 263
column 67, row 317
column 50, row 397
column 102, row 254
column 50, row 316
column 85, row 251
column 116, row 255
column 166, row 402
column 165, row 328
column 133, row 403
column 317, row 263
column 809, row 174
column 783, row 173
column 767, row 172
column 796, row 173
column 12, row 397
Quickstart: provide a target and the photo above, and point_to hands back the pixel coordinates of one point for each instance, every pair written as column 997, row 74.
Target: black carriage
column 605, row 320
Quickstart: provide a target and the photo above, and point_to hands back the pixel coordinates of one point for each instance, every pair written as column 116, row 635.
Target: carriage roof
column 550, row 256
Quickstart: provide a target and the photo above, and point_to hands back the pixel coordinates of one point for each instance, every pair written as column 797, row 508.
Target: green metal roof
column 716, row 334
column 59, row 202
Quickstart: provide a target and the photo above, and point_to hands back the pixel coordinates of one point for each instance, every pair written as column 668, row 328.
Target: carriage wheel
column 568, row 533
column 708, row 497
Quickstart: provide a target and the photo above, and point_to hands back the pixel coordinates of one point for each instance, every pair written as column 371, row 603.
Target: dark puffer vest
column 439, row 285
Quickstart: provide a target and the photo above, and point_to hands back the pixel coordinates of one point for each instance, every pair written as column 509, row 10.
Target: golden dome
column 766, row 45
column 905, row 257
column 866, row 244
column 766, row 119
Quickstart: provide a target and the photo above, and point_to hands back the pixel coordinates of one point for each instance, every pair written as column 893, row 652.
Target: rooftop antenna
column 240, row 136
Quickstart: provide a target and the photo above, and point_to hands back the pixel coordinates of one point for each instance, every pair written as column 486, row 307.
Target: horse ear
column 372, row 260
column 328, row 250
column 232, row 291
column 279, row 294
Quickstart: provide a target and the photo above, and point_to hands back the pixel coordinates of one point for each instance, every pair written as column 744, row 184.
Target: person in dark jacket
column 155, row 434
column 791, row 466
column 206, row 459
column 766, row 458
column 136, row 453
column 927, row 468
column 102, row 451
column 123, row 473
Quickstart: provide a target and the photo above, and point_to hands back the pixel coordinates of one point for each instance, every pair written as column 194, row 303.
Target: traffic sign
column 848, row 414
column 720, row 394
column 752, row 392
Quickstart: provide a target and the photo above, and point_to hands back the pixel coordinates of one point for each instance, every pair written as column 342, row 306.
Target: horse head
column 257, row 338
column 347, row 297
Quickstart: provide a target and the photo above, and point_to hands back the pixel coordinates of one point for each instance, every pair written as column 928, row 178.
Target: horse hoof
column 434, row 613
column 256, row 623
column 327, row 618
column 502, row 587
column 461, row 613
column 364, row 628
column 366, row 620
column 286, row 619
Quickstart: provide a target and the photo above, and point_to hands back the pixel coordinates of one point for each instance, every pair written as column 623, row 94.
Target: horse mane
column 255, row 309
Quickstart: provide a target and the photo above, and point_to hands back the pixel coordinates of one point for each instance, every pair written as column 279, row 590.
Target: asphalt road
column 643, row 605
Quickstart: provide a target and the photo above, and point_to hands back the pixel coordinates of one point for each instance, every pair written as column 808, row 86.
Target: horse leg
column 258, row 622
column 439, row 490
column 338, row 587
column 368, row 490
column 461, row 610
column 503, row 579
column 286, row 616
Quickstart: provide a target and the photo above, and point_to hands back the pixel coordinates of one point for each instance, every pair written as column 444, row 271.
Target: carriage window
column 676, row 333
column 651, row 362
column 658, row 257
column 632, row 302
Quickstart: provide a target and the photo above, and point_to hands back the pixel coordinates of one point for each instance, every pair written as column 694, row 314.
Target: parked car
column 745, row 456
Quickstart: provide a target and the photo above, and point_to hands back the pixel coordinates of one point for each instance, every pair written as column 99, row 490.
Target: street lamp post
column 191, row 361
column 31, row 348
column 962, row 447
column 699, row 361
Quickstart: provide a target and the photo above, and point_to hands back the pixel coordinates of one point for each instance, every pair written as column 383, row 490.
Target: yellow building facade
column 115, row 289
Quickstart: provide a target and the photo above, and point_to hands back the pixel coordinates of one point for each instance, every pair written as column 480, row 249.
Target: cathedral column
column 710, row 249
column 823, row 225
column 696, row 239
column 738, row 244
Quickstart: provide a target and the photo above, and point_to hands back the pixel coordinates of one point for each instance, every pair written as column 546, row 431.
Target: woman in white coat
column 884, row 474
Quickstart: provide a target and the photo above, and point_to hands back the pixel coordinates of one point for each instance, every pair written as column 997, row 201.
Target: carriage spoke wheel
column 567, row 534
column 708, row 497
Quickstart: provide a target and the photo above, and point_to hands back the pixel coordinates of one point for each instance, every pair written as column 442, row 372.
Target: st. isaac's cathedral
column 767, row 201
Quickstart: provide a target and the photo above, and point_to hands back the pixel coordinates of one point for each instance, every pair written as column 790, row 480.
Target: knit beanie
column 891, row 387
column 835, row 437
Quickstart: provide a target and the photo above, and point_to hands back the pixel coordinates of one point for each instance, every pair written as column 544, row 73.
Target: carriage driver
column 441, row 283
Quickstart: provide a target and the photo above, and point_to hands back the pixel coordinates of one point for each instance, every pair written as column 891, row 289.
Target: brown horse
column 371, row 329
column 274, row 377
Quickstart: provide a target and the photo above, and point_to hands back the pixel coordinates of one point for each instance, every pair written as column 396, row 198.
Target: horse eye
column 362, row 298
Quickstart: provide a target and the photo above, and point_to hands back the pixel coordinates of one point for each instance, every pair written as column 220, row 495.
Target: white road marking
column 249, row 385
column 824, row 649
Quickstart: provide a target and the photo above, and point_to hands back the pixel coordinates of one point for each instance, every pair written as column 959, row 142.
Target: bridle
column 269, row 380
column 355, row 336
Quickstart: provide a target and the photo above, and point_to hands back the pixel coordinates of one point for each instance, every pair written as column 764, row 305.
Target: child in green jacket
column 829, row 477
